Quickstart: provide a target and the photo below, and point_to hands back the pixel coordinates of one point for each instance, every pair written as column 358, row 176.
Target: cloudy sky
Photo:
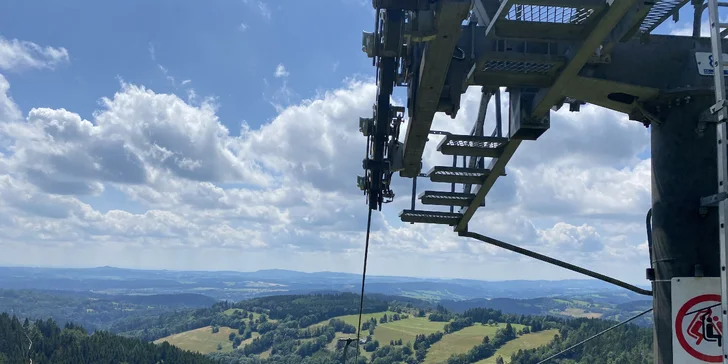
column 223, row 135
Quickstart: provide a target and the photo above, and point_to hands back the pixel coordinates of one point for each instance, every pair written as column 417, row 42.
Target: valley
column 309, row 325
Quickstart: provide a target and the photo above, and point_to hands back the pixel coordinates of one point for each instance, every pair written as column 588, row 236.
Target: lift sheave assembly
column 547, row 54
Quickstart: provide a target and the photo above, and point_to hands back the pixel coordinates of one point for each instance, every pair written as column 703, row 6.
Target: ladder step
column 472, row 146
column 430, row 217
column 446, row 198
column 457, row 175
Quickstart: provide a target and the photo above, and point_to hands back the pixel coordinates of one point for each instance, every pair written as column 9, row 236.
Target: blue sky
column 226, row 49
column 223, row 135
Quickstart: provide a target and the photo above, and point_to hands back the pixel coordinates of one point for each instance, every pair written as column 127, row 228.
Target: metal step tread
column 446, row 198
column 430, row 217
column 659, row 12
column 457, row 174
column 472, row 146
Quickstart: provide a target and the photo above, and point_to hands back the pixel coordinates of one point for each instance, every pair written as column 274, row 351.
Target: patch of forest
column 43, row 341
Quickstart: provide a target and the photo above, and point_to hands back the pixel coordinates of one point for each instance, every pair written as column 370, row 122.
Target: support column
column 684, row 169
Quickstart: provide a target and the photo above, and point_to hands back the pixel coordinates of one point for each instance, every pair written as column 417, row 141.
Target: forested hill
column 94, row 311
column 304, row 309
column 309, row 329
column 627, row 344
column 72, row 345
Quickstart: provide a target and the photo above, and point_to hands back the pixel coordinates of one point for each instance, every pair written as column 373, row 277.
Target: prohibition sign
column 698, row 328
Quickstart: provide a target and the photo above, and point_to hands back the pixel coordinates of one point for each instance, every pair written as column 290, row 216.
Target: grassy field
column 201, row 340
column 578, row 312
column 528, row 341
column 354, row 319
column 461, row 341
column 406, row 329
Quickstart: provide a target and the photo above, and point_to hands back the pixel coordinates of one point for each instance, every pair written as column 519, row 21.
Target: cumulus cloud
column 285, row 190
column 18, row 55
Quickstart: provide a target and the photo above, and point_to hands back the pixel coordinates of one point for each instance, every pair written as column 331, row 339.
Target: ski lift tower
column 548, row 54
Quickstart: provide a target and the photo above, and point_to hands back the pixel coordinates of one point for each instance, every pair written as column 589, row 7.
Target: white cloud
column 281, row 71
column 18, row 55
column 243, row 27
column 259, row 6
column 284, row 195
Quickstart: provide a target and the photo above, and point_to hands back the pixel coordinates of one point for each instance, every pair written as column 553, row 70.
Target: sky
column 223, row 135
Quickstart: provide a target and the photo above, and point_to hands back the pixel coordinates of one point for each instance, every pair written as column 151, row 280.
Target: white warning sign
column 696, row 319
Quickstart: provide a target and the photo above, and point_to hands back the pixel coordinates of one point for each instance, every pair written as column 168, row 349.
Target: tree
column 215, row 329
column 499, row 360
column 219, row 346
column 231, row 337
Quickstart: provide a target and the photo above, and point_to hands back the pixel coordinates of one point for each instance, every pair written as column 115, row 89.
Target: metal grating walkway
column 548, row 14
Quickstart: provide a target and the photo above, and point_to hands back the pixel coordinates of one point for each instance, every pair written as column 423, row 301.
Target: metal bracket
column 652, row 118
column 711, row 201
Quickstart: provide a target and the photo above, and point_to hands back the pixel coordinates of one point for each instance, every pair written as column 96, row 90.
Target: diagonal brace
column 560, row 263
column 581, row 54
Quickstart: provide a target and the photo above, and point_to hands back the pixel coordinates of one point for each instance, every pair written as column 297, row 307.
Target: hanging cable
column 648, row 225
column 595, row 336
column 363, row 279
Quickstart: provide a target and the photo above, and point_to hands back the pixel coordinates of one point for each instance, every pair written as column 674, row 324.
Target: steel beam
column 514, row 29
column 578, row 56
column 556, row 262
column 438, row 54
column 402, row 4
column 577, row 4
column 512, row 79
column 497, row 167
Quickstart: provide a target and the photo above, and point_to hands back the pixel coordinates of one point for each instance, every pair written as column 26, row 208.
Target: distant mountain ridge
column 234, row 285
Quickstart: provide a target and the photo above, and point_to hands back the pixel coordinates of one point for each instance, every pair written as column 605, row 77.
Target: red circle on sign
column 679, row 331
